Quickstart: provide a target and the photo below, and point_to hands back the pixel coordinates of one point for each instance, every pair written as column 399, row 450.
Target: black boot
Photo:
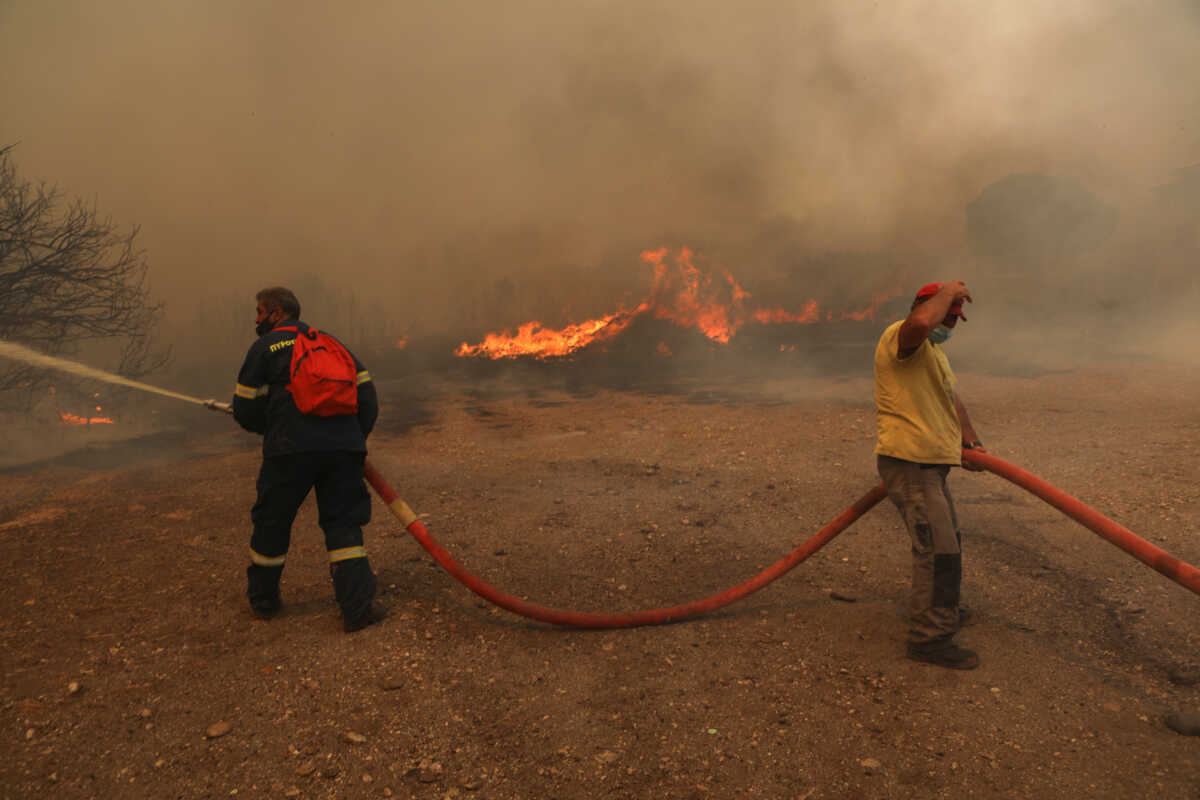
column 375, row 612
column 262, row 590
column 354, row 588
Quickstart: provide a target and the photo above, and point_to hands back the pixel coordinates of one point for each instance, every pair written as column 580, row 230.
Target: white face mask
column 940, row 334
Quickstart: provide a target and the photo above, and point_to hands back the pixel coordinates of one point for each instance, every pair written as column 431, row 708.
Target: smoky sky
column 427, row 153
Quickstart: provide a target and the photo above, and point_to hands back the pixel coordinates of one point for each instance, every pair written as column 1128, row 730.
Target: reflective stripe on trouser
column 343, row 505
column 923, row 499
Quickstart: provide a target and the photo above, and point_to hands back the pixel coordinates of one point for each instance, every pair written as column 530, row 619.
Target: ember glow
column 682, row 294
column 75, row 419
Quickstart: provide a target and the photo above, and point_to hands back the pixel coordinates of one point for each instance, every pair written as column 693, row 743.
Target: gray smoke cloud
column 465, row 166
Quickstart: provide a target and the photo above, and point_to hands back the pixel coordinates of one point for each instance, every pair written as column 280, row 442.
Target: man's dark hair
column 281, row 298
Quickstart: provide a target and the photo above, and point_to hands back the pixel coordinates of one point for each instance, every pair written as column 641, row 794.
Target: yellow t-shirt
column 914, row 403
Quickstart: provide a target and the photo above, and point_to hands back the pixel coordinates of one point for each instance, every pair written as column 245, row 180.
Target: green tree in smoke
column 68, row 279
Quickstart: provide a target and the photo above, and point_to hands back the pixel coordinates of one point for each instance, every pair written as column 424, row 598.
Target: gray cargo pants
column 923, row 498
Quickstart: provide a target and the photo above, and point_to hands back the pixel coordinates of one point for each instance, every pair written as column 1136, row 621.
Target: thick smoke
column 464, row 166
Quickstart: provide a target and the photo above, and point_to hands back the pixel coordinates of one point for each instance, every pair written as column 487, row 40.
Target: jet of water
column 21, row 353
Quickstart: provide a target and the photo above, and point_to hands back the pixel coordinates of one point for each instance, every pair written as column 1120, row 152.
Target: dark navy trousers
column 343, row 506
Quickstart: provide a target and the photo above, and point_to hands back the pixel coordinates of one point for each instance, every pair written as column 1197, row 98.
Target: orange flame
column 691, row 299
column 681, row 294
column 535, row 339
column 75, row 419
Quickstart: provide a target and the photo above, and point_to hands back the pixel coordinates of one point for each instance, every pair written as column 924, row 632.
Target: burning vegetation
column 68, row 418
column 711, row 302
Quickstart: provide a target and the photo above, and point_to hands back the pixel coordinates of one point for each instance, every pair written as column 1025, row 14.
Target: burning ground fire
column 681, row 294
column 74, row 419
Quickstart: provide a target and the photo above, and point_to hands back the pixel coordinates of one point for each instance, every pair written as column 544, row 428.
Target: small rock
column 392, row 684
column 73, row 687
column 306, row 769
column 144, row 713
column 1110, row 706
column 292, row 792
column 607, row 757
column 217, row 730
column 870, row 766
column 428, row 776
column 331, row 771
column 355, row 738
column 845, row 598
column 1183, row 723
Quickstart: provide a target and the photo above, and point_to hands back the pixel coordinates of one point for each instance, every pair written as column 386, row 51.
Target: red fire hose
column 1178, row 571
column 633, row 619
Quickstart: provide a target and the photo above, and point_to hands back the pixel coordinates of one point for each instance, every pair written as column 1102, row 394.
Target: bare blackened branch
column 68, row 278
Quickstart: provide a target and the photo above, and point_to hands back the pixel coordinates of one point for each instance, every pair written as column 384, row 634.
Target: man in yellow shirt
column 922, row 429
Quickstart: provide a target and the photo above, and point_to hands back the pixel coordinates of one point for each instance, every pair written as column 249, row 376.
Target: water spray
column 34, row 358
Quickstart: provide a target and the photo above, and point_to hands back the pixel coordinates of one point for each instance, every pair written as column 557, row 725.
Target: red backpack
column 323, row 376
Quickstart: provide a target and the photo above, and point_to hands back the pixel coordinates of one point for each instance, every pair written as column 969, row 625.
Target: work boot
column 267, row 612
column 944, row 654
column 262, row 590
column 374, row 613
column 266, row 607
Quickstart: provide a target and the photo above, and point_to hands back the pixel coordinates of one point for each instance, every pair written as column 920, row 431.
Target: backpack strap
column 311, row 333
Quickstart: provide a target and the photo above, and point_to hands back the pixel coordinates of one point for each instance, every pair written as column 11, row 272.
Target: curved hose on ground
column 1179, row 571
column 632, row 619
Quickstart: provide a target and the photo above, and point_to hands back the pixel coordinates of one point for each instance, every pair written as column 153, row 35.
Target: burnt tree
column 69, row 279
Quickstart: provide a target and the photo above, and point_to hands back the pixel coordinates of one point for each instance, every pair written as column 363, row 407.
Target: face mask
column 939, row 334
column 264, row 327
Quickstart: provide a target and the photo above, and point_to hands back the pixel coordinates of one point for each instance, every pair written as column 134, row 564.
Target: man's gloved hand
column 975, row 447
column 217, row 405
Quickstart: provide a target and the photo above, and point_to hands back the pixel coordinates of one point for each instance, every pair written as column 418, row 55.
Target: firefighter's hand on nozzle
column 217, row 405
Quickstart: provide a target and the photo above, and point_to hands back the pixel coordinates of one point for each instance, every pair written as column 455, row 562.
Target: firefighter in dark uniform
column 301, row 452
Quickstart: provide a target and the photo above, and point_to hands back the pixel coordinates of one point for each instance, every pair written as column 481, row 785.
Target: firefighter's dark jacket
column 262, row 403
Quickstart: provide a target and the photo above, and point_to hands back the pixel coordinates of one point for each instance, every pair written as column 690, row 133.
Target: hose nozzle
column 217, row 405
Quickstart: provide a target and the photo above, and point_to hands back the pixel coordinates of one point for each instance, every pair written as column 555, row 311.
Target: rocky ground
column 132, row 667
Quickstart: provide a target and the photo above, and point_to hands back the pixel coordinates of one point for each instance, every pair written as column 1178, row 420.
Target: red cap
column 930, row 289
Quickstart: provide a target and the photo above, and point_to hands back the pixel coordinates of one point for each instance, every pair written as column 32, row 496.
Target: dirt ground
column 132, row 666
